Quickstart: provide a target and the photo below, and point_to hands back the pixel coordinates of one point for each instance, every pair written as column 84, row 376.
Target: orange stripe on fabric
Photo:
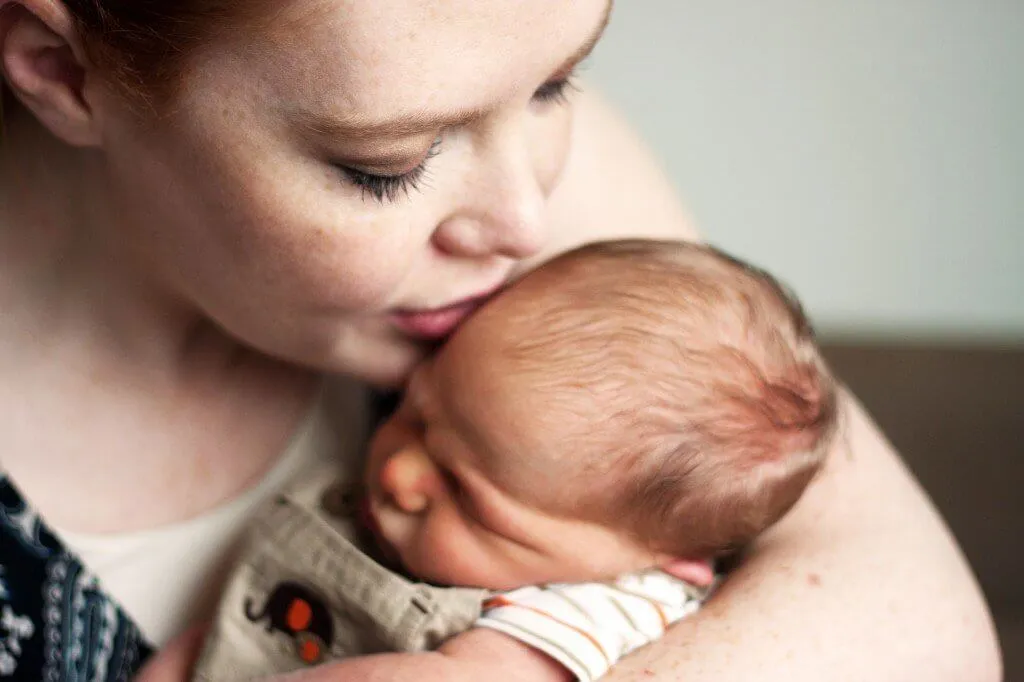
column 654, row 604
column 502, row 601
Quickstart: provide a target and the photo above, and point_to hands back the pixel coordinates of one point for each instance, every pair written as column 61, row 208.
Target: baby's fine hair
column 717, row 408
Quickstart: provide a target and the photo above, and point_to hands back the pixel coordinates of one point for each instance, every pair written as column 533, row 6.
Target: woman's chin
column 386, row 369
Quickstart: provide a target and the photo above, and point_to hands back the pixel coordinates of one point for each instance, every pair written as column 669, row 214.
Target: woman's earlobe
column 44, row 70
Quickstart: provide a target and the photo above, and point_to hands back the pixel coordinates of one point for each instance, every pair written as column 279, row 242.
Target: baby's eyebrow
column 360, row 127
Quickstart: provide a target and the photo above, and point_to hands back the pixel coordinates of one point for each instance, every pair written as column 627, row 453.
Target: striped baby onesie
column 587, row 627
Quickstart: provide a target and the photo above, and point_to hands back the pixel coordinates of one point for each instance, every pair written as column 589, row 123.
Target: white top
column 588, row 627
column 170, row 577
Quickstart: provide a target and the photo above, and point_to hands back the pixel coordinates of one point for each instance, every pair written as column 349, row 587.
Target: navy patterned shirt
column 56, row 623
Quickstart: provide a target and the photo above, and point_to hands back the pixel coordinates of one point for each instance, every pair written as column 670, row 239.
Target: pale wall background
column 870, row 152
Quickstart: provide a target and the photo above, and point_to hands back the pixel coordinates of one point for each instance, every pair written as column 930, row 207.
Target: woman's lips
column 438, row 323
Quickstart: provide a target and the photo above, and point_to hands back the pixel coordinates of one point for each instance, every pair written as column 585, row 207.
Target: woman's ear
column 45, row 67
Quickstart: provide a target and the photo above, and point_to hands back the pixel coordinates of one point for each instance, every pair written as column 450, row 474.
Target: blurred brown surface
column 1011, row 635
column 956, row 414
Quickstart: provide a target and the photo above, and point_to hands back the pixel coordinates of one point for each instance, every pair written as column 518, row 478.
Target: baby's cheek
column 454, row 556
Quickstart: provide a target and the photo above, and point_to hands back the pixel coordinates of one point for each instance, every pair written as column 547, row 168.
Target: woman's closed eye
column 391, row 187
column 555, row 91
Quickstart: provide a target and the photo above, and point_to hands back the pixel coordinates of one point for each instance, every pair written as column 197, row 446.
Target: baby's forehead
column 535, row 347
column 532, row 430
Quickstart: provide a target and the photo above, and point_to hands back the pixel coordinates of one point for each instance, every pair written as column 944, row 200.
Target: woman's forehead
column 374, row 60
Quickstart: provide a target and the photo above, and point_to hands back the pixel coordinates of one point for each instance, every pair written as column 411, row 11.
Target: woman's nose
column 511, row 226
column 502, row 212
column 409, row 478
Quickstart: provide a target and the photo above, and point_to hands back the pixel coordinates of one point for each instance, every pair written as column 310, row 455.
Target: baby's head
column 626, row 405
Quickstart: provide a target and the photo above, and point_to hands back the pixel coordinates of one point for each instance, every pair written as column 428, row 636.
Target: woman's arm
column 862, row 580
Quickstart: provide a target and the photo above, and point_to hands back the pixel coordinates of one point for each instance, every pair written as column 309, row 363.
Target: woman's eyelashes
column 556, row 91
column 390, row 188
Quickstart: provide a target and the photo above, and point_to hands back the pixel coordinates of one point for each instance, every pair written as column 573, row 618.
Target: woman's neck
column 63, row 270
column 121, row 407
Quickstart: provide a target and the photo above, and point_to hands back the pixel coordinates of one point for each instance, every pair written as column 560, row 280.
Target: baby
column 603, row 428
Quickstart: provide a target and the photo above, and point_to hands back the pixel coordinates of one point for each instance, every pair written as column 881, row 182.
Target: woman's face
column 327, row 190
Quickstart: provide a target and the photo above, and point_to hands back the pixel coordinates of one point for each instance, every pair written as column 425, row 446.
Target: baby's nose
column 407, row 478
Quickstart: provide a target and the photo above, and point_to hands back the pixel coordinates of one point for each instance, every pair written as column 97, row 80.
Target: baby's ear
column 699, row 572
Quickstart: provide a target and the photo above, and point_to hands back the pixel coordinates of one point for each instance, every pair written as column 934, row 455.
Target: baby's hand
column 174, row 662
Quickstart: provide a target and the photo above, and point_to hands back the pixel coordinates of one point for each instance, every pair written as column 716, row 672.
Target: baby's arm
column 589, row 627
column 558, row 633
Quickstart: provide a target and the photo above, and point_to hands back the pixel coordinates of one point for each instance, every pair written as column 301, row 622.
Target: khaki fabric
column 305, row 592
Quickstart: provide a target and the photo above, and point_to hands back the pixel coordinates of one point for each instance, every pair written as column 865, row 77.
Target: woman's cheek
column 311, row 233
column 329, row 265
column 552, row 136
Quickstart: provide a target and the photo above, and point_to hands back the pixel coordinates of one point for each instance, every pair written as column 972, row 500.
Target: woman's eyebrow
column 358, row 127
column 413, row 123
column 584, row 51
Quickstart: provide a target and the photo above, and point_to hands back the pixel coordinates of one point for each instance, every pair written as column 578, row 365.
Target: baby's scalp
column 682, row 388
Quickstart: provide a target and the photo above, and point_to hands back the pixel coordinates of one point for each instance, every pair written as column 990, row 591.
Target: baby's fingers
column 174, row 662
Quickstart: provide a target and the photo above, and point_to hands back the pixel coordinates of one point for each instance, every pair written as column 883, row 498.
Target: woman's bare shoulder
column 865, row 532
column 612, row 186
column 861, row 581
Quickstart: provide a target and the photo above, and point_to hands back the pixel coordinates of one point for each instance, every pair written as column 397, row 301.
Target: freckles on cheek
column 342, row 261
